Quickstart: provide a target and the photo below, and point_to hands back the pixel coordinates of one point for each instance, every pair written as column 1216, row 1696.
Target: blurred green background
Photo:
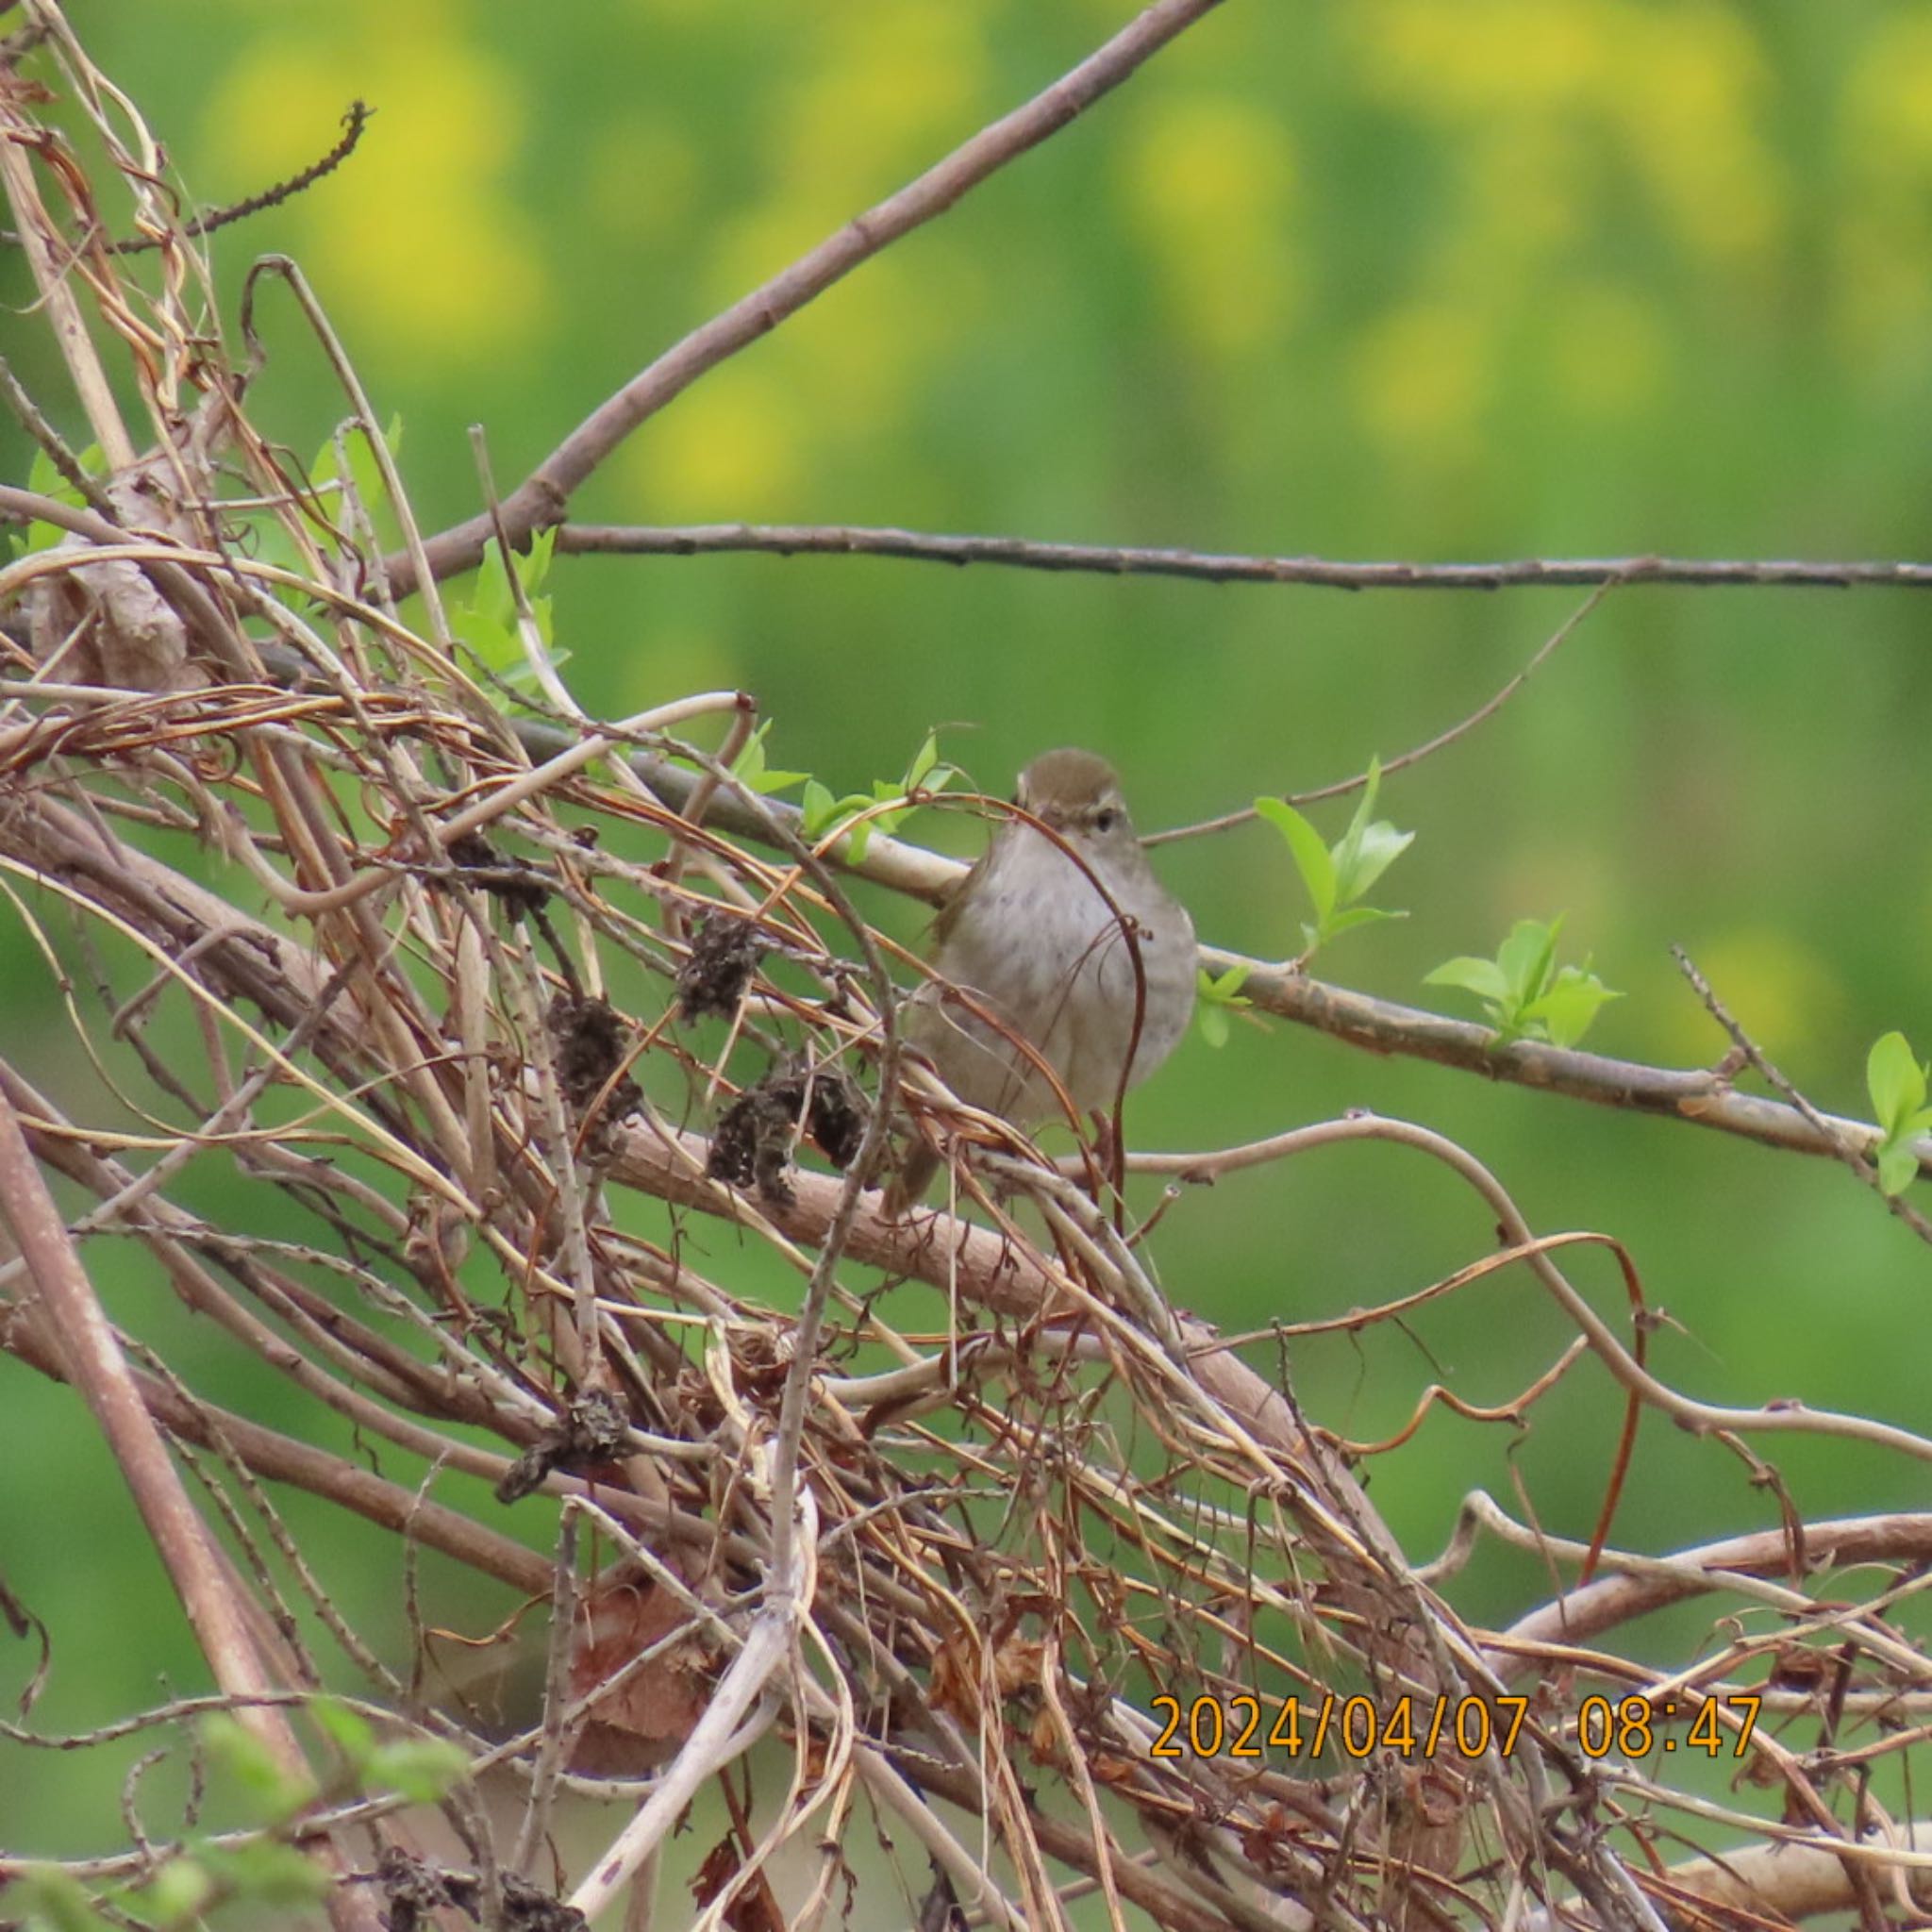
column 1413, row 279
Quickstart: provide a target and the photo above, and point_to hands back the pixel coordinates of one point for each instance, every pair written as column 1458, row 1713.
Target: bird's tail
column 907, row 1188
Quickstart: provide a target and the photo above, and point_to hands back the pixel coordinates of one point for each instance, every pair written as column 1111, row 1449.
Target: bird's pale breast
column 1041, row 949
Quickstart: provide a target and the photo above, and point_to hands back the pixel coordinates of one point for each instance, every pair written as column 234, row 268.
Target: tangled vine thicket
column 514, row 1086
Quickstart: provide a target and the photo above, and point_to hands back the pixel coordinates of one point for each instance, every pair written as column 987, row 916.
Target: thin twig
column 1836, row 1140
column 557, row 1734
column 1440, row 741
column 353, row 121
column 1705, row 1418
column 1213, row 566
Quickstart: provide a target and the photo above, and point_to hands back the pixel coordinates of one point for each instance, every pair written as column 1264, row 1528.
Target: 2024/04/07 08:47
column 1232, row 1727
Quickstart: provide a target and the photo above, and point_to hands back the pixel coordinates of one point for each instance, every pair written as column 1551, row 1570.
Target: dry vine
column 891, row 1600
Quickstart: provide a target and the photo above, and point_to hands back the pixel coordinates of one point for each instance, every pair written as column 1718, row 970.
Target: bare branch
column 353, row 121
column 1440, row 741
column 1204, row 566
column 539, row 500
column 96, row 1367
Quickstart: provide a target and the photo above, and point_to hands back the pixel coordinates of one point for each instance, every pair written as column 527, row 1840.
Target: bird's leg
column 1107, row 1153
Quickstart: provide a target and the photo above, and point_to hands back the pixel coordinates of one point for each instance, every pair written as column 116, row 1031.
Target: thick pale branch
column 93, row 1362
column 77, row 1327
column 49, row 838
column 1782, row 1882
column 1698, row 1095
column 1903, row 1539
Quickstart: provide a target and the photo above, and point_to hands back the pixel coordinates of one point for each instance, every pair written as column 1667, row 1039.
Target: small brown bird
column 1032, row 942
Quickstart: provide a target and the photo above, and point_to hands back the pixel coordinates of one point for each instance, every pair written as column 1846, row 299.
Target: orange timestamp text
column 1470, row 1727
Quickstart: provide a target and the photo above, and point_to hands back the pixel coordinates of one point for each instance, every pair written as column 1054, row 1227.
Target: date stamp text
column 1425, row 1727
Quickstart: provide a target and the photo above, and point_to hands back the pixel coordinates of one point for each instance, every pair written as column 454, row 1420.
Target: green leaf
column 175, row 1893
column 55, row 1901
column 1483, row 977
column 249, row 1762
column 1565, row 1012
column 768, row 782
column 423, row 1770
column 822, row 812
column 1895, row 1080
column 1898, row 1168
column 492, row 641
column 1304, row 845
column 925, row 759
column 1218, row 994
column 491, row 597
column 1349, row 845
column 749, row 764
column 533, row 565
column 1340, row 923
column 750, row 768
column 348, row 1730
column 818, row 807
column 522, row 679
column 1526, row 992
column 1525, row 956
column 266, row 1873
column 1224, row 989
column 1378, row 848
column 44, row 479
column 349, row 445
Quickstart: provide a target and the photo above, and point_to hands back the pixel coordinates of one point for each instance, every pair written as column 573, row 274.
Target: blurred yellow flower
column 1608, row 349
column 1420, row 377
column 1208, row 181
column 1476, row 57
column 1882, row 295
column 730, row 447
column 1780, row 992
column 1530, row 185
column 641, row 180
column 896, row 85
column 1682, row 90
column 1888, row 98
column 1688, row 90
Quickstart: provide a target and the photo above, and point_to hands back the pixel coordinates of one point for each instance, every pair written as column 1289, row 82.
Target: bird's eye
column 1106, row 819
